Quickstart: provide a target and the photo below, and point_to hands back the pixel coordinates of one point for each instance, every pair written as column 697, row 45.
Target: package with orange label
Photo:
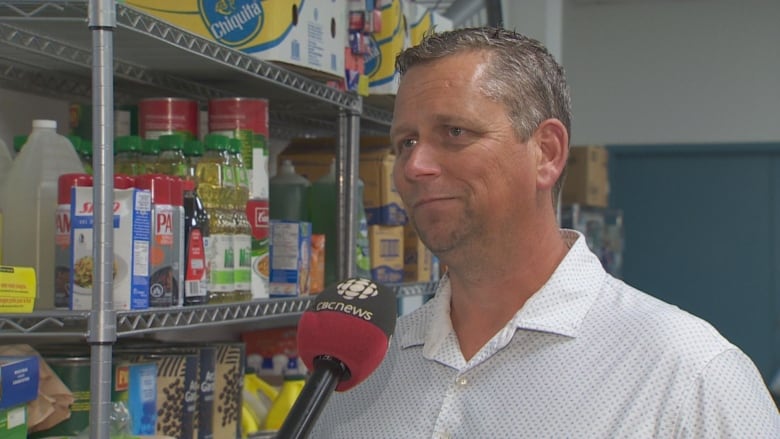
column 317, row 268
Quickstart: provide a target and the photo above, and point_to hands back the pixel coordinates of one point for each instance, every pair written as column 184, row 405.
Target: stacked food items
column 169, row 390
column 392, row 252
column 182, row 231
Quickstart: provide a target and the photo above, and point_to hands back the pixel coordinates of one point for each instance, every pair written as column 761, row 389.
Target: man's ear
column 552, row 141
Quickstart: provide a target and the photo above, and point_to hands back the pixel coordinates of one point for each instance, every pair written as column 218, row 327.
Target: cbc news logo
column 357, row 289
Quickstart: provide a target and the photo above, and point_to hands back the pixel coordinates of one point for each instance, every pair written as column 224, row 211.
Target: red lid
column 122, row 181
column 177, row 191
column 67, row 181
column 158, row 184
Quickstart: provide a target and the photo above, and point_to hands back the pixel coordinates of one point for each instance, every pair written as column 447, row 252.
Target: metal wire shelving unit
column 107, row 53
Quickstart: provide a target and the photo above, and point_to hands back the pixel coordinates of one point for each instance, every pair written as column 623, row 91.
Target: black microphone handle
column 327, row 374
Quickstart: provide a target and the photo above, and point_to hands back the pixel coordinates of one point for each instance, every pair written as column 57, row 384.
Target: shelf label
column 17, row 289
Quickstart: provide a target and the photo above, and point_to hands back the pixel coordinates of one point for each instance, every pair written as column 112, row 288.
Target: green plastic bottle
column 288, row 194
column 323, row 205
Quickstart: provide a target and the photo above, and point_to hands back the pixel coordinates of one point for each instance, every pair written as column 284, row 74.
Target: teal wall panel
column 701, row 232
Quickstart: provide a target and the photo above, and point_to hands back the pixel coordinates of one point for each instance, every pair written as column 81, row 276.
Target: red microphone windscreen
column 352, row 322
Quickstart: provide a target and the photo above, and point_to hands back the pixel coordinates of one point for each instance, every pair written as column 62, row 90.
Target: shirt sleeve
column 729, row 399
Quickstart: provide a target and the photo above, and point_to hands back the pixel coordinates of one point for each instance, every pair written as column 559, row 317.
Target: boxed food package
column 586, row 177
column 132, row 238
column 290, row 250
column 418, row 259
column 13, row 422
column 387, row 258
column 317, row 265
column 259, row 219
column 18, row 380
column 135, row 386
column 309, row 34
column 177, row 392
column 228, row 384
column 312, row 158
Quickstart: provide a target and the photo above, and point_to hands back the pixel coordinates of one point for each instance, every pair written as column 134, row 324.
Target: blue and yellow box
column 423, row 21
column 304, row 33
column 384, row 46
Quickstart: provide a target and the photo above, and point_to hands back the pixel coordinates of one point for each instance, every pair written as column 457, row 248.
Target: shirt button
column 462, row 381
column 441, row 435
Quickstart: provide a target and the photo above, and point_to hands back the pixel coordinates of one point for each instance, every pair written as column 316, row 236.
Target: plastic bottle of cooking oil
column 193, row 151
column 212, row 170
column 171, row 160
column 127, row 155
column 242, row 237
column 150, row 150
column 30, row 201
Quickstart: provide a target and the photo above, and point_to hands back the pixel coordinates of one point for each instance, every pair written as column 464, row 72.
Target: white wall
column 663, row 71
column 17, row 111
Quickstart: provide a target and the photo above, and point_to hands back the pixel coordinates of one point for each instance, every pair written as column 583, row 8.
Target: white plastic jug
column 5, row 167
column 29, row 202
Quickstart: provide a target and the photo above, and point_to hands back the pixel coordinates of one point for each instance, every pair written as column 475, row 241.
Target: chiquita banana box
column 385, row 45
column 423, row 21
column 305, row 33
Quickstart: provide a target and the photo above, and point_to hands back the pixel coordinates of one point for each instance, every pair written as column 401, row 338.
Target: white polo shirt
column 586, row 357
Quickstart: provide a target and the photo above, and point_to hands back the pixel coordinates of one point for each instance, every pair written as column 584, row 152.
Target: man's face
column 463, row 175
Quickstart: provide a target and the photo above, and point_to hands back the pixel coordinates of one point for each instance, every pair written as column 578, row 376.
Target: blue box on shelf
column 18, row 380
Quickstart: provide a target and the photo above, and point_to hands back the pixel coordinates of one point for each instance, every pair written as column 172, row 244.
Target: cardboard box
column 312, row 158
column 586, row 177
column 383, row 47
column 290, row 250
column 423, row 21
column 19, row 378
column 303, row 33
column 418, row 259
column 387, row 258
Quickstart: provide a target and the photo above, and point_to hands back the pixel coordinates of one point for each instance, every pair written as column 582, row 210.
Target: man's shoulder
column 633, row 314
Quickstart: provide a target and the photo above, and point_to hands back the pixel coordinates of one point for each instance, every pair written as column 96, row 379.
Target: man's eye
column 408, row 143
column 456, row 131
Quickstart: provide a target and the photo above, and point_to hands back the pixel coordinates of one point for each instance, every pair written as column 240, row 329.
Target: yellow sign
column 17, row 289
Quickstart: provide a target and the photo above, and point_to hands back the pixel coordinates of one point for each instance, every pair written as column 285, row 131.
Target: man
column 527, row 335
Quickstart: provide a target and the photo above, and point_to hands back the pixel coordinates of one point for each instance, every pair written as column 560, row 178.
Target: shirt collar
column 558, row 307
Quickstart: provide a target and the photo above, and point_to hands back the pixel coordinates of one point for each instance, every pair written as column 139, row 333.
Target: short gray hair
column 522, row 75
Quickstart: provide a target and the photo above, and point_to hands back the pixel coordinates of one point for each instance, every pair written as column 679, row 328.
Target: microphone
column 342, row 339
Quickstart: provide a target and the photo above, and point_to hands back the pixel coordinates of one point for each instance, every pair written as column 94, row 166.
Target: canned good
column 158, row 116
column 231, row 114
